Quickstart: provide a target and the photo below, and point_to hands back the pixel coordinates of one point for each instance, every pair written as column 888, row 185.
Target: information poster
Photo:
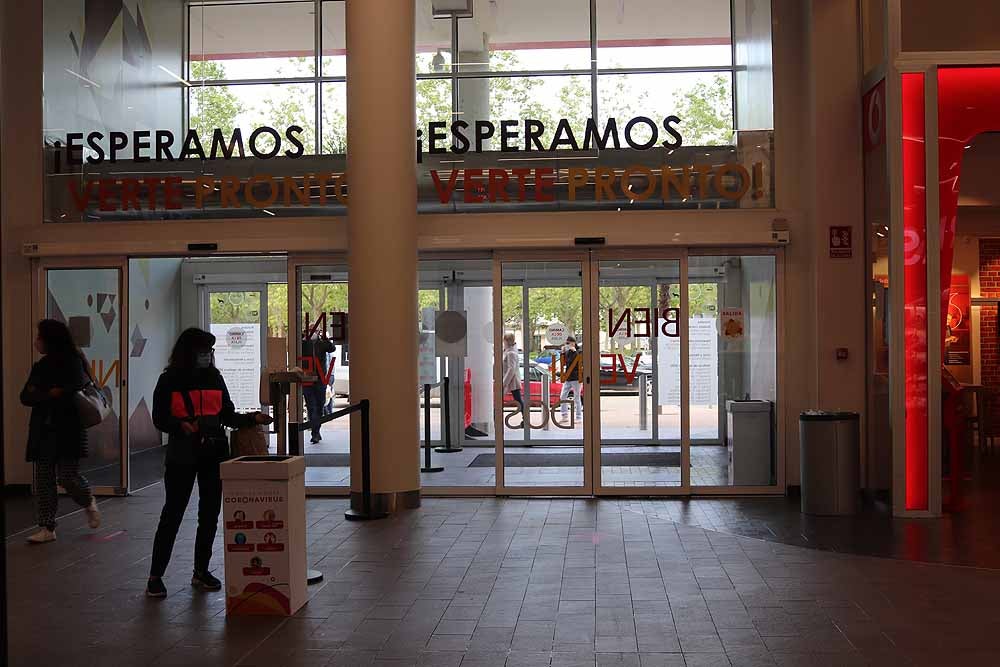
column 237, row 356
column 704, row 353
column 255, row 517
column 957, row 346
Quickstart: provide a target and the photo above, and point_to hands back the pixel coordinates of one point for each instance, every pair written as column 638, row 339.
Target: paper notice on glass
column 704, row 353
column 237, row 356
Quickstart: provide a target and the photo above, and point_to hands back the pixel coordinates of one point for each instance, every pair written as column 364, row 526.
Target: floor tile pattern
column 504, row 583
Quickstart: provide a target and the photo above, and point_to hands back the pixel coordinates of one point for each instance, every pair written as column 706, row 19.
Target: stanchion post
column 643, row 410
column 446, row 392
column 366, row 513
column 427, row 433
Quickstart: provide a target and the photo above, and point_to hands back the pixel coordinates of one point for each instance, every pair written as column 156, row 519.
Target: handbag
column 215, row 443
column 248, row 441
column 91, row 404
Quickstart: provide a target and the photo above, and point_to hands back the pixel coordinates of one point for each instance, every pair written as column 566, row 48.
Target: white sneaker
column 42, row 536
column 93, row 514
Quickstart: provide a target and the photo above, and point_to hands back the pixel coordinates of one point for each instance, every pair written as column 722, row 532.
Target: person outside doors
column 571, row 374
column 511, row 372
column 317, row 350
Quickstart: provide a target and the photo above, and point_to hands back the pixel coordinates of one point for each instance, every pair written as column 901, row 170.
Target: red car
column 534, row 383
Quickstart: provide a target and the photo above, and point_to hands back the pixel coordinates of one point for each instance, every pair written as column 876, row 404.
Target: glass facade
column 160, row 116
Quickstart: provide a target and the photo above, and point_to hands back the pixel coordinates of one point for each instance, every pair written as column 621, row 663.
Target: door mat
column 653, row 459
column 328, row 460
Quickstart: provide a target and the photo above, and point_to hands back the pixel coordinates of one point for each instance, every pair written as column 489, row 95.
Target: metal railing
column 367, row 512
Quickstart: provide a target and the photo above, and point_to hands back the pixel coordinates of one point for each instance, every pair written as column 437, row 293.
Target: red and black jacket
column 213, row 409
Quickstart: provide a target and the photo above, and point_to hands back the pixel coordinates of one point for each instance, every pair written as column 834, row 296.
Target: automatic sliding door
column 544, row 436
column 322, row 350
column 639, row 339
column 88, row 301
column 456, row 359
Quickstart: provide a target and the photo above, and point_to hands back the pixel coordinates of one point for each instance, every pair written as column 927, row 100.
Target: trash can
column 829, row 462
column 264, row 519
column 748, row 441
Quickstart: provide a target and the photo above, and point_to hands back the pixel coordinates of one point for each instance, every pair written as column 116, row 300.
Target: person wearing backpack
column 191, row 404
column 57, row 439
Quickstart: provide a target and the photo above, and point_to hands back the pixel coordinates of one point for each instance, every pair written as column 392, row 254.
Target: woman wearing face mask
column 191, row 405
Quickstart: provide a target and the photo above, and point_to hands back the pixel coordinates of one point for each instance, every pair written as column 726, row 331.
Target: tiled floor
column 502, row 582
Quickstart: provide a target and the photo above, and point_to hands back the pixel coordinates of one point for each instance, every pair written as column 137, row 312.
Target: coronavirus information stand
column 263, row 512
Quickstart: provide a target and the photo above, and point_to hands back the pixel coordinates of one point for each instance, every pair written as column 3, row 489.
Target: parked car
column 534, row 387
column 622, row 380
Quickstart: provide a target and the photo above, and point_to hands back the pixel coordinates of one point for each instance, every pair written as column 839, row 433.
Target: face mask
column 203, row 360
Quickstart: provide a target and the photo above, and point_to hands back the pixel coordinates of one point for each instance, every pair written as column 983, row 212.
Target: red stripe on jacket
column 206, row 403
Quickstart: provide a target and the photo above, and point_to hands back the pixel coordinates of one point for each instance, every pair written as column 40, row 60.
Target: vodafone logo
column 875, row 117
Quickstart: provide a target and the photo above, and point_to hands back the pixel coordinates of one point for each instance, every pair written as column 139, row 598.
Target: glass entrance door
column 89, row 301
column 642, row 422
column 544, row 440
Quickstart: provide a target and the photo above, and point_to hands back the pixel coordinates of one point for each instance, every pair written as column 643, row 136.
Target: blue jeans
column 315, row 395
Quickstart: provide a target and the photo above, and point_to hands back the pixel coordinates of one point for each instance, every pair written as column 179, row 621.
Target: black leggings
column 178, row 482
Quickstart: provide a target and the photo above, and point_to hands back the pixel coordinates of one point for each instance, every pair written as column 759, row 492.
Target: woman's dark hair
column 58, row 339
column 188, row 345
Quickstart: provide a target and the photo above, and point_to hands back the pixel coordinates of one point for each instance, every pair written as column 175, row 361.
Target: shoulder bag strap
column 188, row 403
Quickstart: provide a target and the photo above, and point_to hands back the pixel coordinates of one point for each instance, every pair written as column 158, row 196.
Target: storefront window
column 231, row 41
column 644, row 34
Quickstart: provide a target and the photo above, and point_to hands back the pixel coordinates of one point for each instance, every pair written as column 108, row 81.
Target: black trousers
column 178, row 481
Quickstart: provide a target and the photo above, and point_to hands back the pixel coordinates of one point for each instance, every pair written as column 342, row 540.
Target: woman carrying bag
column 57, row 439
column 191, row 405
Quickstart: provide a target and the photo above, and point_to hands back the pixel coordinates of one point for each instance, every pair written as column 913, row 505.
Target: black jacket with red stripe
column 213, row 409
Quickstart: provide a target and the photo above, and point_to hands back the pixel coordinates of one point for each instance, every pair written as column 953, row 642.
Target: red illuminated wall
column 915, row 290
column 968, row 105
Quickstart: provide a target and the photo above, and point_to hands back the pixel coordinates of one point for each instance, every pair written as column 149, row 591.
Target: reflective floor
column 503, row 582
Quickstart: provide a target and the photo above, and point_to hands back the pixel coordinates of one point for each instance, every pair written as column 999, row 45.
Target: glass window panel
column 333, row 40
column 240, row 40
column 542, row 448
column 251, row 106
column 514, row 36
column 334, row 119
column 543, row 98
column 466, row 286
column 640, row 373
column 433, row 41
column 433, row 102
column 154, row 322
column 682, row 33
column 702, row 100
column 733, row 350
column 87, row 301
column 323, row 305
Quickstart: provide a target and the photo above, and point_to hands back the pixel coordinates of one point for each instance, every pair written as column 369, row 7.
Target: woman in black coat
column 191, row 404
column 56, row 438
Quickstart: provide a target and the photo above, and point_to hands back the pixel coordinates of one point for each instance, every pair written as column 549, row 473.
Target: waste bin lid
column 748, row 406
column 827, row 416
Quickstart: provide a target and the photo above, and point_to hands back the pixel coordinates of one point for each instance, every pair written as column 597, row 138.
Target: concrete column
column 382, row 259
column 835, row 198
column 21, row 188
